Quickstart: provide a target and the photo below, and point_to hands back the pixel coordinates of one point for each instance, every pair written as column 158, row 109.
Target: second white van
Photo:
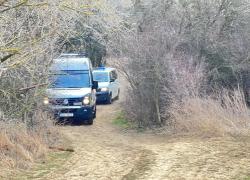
column 108, row 82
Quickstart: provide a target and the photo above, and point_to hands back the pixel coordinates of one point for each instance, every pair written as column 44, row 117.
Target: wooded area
column 32, row 33
column 174, row 52
column 186, row 62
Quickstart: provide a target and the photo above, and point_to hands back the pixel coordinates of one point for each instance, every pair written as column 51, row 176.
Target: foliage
column 20, row 147
column 32, row 33
column 226, row 114
column 93, row 34
column 86, row 41
column 175, row 49
column 29, row 27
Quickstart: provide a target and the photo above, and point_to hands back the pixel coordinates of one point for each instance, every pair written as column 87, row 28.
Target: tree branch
column 31, row 87
column 14, row 6
column 3, row 1
column 6, row 57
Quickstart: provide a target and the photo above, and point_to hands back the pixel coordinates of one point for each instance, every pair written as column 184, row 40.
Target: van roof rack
column 100, row 68
column 73, row 55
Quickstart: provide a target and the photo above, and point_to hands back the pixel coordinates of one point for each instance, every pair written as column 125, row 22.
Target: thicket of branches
column 168, row 50
column 32, row 33
column 93, row 33
column 180, row 49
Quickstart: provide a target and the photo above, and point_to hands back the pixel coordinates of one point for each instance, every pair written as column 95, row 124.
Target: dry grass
column 224, row 115
column 20, row 148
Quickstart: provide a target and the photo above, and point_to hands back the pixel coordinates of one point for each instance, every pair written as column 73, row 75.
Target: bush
column 176, row 51
column 226, row 114
column 21, row 147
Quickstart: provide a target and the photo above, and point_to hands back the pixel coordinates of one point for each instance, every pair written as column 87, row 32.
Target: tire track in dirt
column 101, row 151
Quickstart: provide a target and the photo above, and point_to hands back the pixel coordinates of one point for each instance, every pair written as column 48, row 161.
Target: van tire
column 109, row 101
column 117, row 97
column 90, row 120
column 94, row 114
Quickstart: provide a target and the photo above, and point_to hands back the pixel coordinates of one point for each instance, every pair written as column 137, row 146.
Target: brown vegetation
column 21, row 147
column 227, row 114
column 32, row 34
column 183, row 61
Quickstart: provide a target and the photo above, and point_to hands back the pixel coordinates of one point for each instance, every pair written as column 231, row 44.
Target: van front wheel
column 90, row 120
column 117, row 97
column 109, row 101
column 94, row 113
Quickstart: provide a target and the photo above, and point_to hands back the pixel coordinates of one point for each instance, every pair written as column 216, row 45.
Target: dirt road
column 103, row 152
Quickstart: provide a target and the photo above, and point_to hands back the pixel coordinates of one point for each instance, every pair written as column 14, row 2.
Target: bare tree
column 32, row 33
column 174, row 49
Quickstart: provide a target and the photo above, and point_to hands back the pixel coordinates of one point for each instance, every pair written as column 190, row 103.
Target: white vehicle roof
column 71, row 62
column 103, row 69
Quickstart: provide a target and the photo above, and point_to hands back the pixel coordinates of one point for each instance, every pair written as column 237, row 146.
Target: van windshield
column 101, row 76
column 70, row 79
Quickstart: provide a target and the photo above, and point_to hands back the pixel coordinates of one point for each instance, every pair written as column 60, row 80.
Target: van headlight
column 86, row 100
column 46, row 101
column 104, row 89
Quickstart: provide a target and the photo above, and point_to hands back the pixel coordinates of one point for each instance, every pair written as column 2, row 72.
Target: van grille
column 60, row 101
column 66, row 110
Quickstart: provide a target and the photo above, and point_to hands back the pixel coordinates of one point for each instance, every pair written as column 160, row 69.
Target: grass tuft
column 121, row 121
column 227, row 114
column 20, row 147
column 54, row 160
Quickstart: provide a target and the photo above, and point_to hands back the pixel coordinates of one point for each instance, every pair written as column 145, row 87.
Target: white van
column 72, row 92
column 108, row 82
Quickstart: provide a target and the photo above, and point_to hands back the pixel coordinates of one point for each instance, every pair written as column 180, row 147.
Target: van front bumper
column 72, row 111
column 102, row 96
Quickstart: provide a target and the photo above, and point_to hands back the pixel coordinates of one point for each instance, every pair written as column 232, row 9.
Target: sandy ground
column 103, row 152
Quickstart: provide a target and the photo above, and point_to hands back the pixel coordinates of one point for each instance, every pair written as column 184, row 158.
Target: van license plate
column 66, row 114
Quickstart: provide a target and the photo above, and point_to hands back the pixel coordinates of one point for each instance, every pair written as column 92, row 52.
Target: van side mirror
column 95, row 85
column 112, row 80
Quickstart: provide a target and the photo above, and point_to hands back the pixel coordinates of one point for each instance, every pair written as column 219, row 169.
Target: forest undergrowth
column 21, row 147
column 220, row 115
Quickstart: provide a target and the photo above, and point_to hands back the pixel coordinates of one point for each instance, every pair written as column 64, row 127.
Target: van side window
column 91, row 74
column 114, row 74
column 110, row 76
